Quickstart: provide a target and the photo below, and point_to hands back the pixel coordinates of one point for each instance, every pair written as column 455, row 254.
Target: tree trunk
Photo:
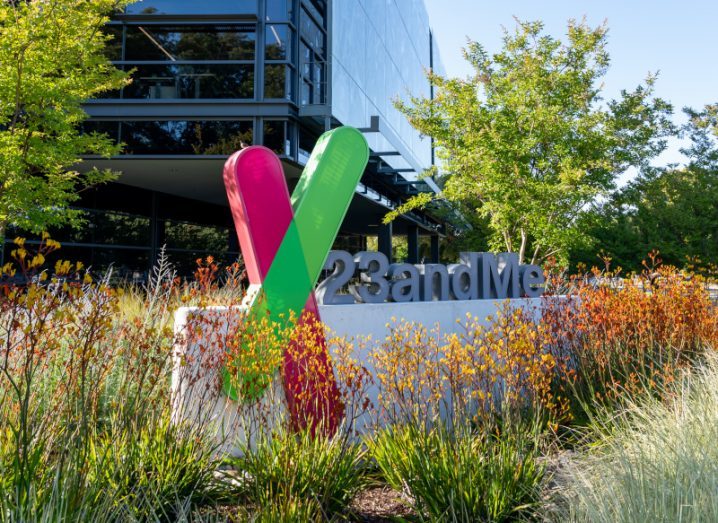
column 522, row 249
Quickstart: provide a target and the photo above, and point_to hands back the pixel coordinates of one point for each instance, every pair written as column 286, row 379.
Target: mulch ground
column 380, row 505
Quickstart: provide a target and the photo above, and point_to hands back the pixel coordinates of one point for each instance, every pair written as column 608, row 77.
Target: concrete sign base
column 197, row 376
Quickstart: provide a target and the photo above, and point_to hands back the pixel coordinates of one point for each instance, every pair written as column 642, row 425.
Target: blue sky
column 677, row 38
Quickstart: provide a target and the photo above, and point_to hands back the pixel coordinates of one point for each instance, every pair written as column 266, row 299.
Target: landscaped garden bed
column 601, row 410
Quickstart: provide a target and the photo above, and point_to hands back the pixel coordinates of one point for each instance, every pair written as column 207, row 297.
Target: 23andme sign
column 480, row 275
column 286, row 243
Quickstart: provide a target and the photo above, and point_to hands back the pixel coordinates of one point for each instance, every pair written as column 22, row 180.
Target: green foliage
column 301, row 473
column 653, row 461
column 51, row 61
column 149, row 471
column 462, row 476
column 672, row 209
column 528, row 142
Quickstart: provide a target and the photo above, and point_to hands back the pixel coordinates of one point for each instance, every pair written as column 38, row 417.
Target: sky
column 676, row 38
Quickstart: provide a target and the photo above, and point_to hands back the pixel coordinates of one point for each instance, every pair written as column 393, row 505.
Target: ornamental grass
column 460, row 423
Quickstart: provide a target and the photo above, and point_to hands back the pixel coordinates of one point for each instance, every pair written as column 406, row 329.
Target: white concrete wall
column 371, row 319
column 195, row 381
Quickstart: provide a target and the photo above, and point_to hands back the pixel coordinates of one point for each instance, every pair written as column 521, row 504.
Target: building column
column 154, row 232
column 384, row 240
column 435, row 248
column 412, row 243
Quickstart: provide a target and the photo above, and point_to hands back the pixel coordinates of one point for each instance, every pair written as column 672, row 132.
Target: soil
column 380, row 505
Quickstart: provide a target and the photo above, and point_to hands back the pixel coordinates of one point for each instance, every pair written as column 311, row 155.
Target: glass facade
column 395, row 50
column 211, row 77
column 126, row 227
column 193, row 7
column 177, row 137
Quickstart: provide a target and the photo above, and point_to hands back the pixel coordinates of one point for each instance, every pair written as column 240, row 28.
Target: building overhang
column 200, row 178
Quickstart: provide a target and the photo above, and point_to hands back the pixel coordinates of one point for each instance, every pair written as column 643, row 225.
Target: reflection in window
column 278, row 42
column 187, row 42
column 107, row 228
column 191, row 81
column 113, row 46
column 277, row 82
column 279, row 10
column 193, row 236
column 313, row 73
column 127, row 264
column 111, row 129
column 185, row 7
column 278, row 136
column 185, row 137
column 317, row 8
column 120, row 229
column 311, row 32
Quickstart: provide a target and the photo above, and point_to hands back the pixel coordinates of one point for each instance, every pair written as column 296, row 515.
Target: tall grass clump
column 85, row 432
column 292, row 474
column 655, row 460
column 461, row 476
column 461, row 418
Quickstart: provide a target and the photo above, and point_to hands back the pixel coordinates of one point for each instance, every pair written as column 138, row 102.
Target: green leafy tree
column 51, row 60
column 672, row 209
column 528, row 142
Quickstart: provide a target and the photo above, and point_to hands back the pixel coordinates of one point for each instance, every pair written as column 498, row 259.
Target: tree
column 528, row 142
column 51, row 61
column 671, row 209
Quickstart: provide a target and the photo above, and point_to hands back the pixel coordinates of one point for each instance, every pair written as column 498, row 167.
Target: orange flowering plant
column 499, row 369
column 624, row 336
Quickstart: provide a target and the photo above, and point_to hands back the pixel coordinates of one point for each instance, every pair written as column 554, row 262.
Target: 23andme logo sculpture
column 285, row 242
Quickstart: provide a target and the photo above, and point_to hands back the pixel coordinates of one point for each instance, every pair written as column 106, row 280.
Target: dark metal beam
column 391, row 170
column 384, row 240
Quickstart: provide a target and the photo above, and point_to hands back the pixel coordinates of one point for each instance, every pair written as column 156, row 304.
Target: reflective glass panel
column 312, row 33
column 185, row 137
column 279, row 10
column 317, row 8
column 277, row 82
column 111, row 129
column 193, row 236
column 191, row 81
column 189, row 7
column 189, row 42
column 113, row 46
column 278, row 42
column 277, row 136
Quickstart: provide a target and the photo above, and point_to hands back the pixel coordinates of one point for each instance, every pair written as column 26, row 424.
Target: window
column 277, row 42
column 191, row 81
column 185, row 136
column 313, row 70
column 279, row 136
column 278, row 81
column 193, row 236
column 279, row 10
column 113, row 46
column 189, row 7
column 312, row 63
column 312, row 33
column 187, row 42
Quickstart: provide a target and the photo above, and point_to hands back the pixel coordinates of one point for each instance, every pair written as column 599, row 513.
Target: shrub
column 149, row 471
column 85, row 399
column 461, row 476
column 626, row 336
column 302, row 473
column 654, row 461
column 503, row 370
